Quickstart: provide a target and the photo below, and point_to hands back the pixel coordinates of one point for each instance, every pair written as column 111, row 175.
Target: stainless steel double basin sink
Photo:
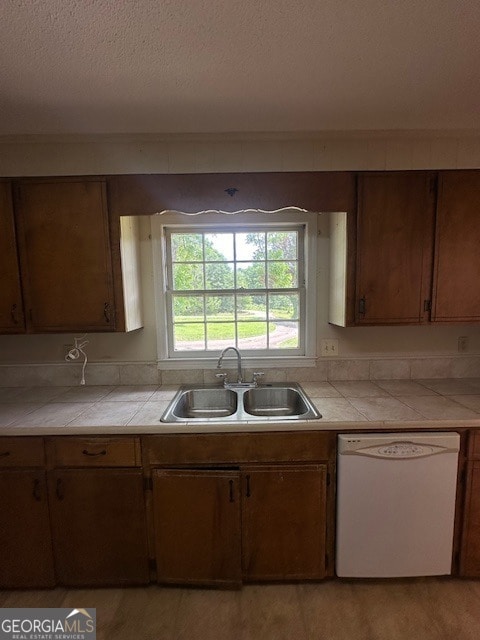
column 280, row 401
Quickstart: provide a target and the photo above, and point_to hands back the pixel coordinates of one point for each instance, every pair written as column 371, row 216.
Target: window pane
column 187, row 247
column 219, row 307
column 286, row 337
column 282, row 275
column 284, row 307
column 252, row 335
column 251, row 307
column 219, row 275
column 219, row 246
column 251, row 275
column 187, row 308
column 188, row 337
column 220, row 335
column 250, row 246
column 282, row 245
column 187, row 277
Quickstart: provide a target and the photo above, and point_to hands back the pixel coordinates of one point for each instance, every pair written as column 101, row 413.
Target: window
column 240, row 285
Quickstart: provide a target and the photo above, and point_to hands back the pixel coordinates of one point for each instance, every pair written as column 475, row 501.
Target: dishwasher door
column 396, row 504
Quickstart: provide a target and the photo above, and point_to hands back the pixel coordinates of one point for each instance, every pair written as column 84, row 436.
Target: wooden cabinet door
column 394, row 247
column 26, row 557
column 470, row 551
column 65, row 255
column 11, row 304
column 197, row 526
column 456, row 293
column 99, row 526
column 284, row 522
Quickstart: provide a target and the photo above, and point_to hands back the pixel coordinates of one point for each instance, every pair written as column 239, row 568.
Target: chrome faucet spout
column 239, row 362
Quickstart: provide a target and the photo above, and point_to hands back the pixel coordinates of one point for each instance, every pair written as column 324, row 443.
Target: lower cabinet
column 99, row 528
column 470, row 545
column 253, row 523
column 197, row 526
column 26, row 558
column 213, row 510
column 284, row 522
column 470, row 559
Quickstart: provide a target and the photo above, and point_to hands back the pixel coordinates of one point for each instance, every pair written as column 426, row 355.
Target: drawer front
column 21, row 452
column 94, row 452
column 238, row 448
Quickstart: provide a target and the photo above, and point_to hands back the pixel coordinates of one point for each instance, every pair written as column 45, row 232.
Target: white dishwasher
column 396, row 504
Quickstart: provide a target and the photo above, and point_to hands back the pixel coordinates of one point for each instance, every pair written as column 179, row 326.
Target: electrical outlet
column 462, row 344
column 329, row 347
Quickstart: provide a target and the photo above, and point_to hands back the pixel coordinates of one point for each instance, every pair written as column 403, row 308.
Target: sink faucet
column 240, row 382
column 239, row 362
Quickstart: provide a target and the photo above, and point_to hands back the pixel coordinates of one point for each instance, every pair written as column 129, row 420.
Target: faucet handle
column 257, row 375
column 222, row 376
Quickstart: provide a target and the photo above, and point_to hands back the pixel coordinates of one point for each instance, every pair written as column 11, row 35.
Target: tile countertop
column 353, row 405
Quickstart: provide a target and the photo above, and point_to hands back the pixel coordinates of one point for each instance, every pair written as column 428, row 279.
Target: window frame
column 214, row 222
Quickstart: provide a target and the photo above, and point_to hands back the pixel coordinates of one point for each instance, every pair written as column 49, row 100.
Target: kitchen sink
column 274, row 401
column 280, row 401
column 201, row 403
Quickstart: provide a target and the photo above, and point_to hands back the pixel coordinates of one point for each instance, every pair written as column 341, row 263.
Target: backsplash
column 335, row 369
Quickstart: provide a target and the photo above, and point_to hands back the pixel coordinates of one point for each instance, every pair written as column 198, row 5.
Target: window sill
column 230, row 363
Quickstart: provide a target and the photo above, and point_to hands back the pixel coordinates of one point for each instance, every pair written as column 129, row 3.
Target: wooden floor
column 420, row 609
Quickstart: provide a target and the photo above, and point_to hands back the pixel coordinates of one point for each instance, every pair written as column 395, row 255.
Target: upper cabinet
column 66, row 260
column 456, row 294
column 11, row 305
column 413, row 255
column 73, row 258
column 395, row 218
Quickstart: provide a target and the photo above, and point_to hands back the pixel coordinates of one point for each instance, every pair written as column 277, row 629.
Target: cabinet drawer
column 21, row 452
column 237, row 448
column 94, row 452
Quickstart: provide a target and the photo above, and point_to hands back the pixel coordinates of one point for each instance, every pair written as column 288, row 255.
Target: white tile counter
column 344, row 405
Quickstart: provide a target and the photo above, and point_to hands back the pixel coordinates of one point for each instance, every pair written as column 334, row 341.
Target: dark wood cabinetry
column 259, row 515
column 65, row 264
column 456, row 294
column 416, row 250
column 26, row 557
column 197, row 526
column 97, row 510
column 99, row 529
column 11, row 304
column 395, row 221
column 470, row 543
column 25, row 540
column 284, row 522
column 259, row 523
column 65, row 253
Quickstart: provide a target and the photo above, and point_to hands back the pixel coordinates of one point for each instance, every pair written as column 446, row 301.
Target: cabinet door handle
column 362, row 306
column 36, row 490
column 4, row 454
column 106, row 312
column 103, row 452
column 248, row 494
column 14, row 314
column 59, row 489
column 232, row 499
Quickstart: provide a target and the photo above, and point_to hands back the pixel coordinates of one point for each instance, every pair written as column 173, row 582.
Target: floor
column 423, row 609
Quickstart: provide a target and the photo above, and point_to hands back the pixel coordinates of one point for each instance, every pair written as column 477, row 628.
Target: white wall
column 182, row 154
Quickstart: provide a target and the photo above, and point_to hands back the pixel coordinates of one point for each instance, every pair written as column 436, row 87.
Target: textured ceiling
column 130, row 66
